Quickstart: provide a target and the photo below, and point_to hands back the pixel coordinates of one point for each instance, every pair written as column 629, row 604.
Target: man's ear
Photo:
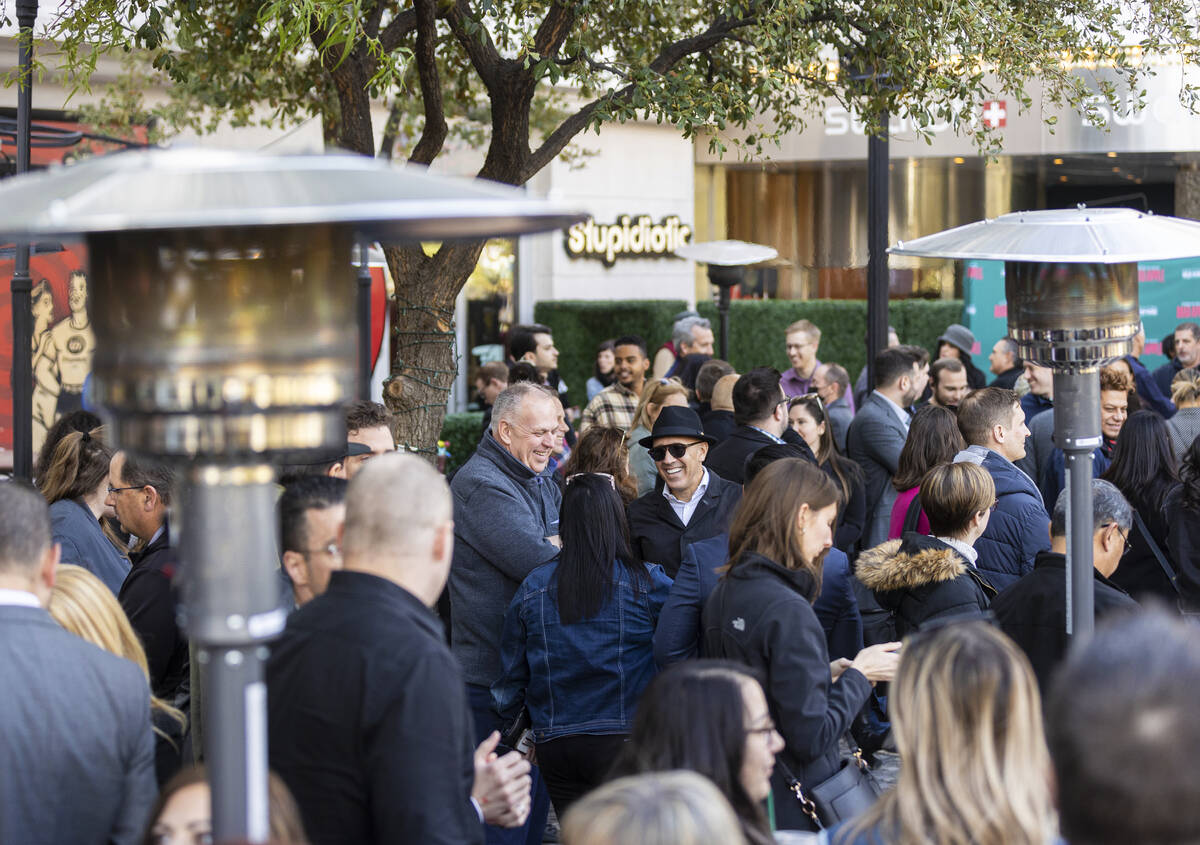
column 338, row 470
column 293, row 565
column 443, row 543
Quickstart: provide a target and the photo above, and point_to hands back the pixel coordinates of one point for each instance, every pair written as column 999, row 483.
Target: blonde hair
column 806, row 327
column 656, row 808
column 951, row 495
column 1185, row 387
column 83, row 605
column 974, row 769
column 655, row 393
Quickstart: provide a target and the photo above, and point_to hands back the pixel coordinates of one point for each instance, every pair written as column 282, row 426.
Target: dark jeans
column 573, row 766
column 531, row 832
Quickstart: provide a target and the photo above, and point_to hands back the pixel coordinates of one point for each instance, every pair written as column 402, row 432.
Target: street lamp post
column 223, row 318
column 1071, row 282
column 727, row 262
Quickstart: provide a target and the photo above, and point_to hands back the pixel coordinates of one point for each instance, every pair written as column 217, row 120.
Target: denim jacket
column 583, row 678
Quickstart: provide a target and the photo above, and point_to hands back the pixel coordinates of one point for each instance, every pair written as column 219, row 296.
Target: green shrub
column 580, row 325
column 461, row 434
column 757, row 327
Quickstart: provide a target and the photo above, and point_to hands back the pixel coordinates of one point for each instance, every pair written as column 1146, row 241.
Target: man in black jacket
column 694, row 503
column 139, row 490
column 369, row 723
column 760, row 410
column 1033, row 611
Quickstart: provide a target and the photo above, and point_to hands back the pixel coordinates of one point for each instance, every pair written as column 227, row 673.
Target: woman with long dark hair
column 807, row 417
column 710, row 717
column 1182, row 512
column 576, row 649
column 933, row 438
column 1143, row 469
column 761, row 614
column 75, row 485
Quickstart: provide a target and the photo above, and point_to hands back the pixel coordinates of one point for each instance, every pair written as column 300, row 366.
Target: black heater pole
column 877, row 244
column 725, row 276
column 22, row 313
column 364, row 321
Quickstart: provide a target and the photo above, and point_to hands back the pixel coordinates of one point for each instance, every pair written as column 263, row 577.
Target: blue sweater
column 503, row 514
column 83, row 543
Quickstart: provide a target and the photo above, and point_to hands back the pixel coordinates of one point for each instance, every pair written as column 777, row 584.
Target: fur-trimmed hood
column 904, row 565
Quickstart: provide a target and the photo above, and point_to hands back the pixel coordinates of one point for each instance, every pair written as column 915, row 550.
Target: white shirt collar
column 684, row 510
column 20, row 598
column 965, row 549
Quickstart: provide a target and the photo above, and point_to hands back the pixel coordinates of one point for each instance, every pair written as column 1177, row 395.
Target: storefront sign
column 629, row 237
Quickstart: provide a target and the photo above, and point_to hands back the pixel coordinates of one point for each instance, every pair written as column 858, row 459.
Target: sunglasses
column 677, row 450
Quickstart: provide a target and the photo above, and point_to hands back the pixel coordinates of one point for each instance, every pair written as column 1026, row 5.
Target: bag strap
column 1158, row 555
column 913, row 515
column 797, row 789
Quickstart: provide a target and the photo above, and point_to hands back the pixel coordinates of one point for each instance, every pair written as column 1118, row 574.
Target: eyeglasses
column 607, row 475
column 677, row 450
column 112, row 489
column 1124, row 537
column 766, row 730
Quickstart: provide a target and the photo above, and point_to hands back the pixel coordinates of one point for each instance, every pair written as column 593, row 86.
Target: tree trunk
column 423, row 360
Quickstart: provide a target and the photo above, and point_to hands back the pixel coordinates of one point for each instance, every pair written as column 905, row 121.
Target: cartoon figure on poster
column 62, row 355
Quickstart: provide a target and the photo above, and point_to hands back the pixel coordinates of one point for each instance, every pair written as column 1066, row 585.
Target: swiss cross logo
column 995, row 113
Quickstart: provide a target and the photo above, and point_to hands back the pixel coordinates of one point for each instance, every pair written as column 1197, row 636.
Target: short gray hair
column 508, row 404
column 24, row 530
column 1108, row 506
column 682, row 330
column 836, row 374
column 393, row 506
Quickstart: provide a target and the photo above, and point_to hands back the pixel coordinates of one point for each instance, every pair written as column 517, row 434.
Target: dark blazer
column 1033, row 611
column 677, row 636
column 77, row 753
column 728, row 458
column 718, row 424
column 368, row 719
column 840, row 416
column 658, row 536
column 1007, row 379
column 1148, row 391
column 761, row 614
column 151, row 604
column 1164, row 375
column 874, row 441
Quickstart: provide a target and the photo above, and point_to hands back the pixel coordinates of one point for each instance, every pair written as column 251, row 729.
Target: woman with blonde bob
column 658, row 808
column 656, row 395
column 761, row 614
column 82, row 604
column 974, row 769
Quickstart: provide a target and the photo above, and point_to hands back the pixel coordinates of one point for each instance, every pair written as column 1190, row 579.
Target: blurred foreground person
column 668, row 808
column 368, row 716
column 1134, row 684
column 967, row 721
column 1182, row 512
column 76, row 758
column 183, row 813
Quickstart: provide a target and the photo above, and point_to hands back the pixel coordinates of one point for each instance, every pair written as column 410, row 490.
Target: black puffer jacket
column 920, row 579
column 760, row 614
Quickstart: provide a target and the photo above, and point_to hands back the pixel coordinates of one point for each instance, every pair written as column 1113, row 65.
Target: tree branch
column 373, row 17
column 668, row 57
column 391, row 129
column 433, row 135
column 397, row 30
column 554, row 28
column 480, row 48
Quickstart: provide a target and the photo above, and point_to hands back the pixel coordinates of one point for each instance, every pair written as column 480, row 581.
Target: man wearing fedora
column 693, row 504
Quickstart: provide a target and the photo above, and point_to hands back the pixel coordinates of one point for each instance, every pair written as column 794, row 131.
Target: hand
column 837, row 667
column 501, row 784
column 555, row 541
column 878, row 662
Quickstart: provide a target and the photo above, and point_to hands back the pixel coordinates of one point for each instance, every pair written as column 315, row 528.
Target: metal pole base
column 1077, row 433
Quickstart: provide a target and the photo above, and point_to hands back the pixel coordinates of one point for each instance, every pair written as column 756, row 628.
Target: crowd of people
column 695, row 616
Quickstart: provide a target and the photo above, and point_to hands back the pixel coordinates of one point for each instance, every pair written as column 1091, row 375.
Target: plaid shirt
column 612, row 407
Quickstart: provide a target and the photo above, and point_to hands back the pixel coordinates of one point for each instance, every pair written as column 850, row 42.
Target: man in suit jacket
column 880, row 427
column 761, row 413
column 694, row 503
column 832, row 383
column 77, row 754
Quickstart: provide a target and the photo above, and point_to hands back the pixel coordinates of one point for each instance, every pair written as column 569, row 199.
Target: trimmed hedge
column 757, row 327
column 461, row 434
column 580, row 325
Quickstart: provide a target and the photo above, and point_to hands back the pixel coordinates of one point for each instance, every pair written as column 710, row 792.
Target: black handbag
column 851, row 790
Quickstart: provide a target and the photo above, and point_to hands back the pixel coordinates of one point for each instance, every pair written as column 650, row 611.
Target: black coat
column 1008, row 378
column 151, row 604
column 368, row 719
column 1140, row 574
column 920, row 579
column 1183, row 547
column 1033, row 611
column 718, row 424
column 728, row 458
column 761, row 614
column 658, row 536
column 852, row 515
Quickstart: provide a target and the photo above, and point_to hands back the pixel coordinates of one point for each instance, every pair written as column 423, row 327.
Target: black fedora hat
column 674, row 421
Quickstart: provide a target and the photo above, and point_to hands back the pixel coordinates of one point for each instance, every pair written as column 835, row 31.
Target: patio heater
column 1071, row 281
column 727, row 262
column 224, row 310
